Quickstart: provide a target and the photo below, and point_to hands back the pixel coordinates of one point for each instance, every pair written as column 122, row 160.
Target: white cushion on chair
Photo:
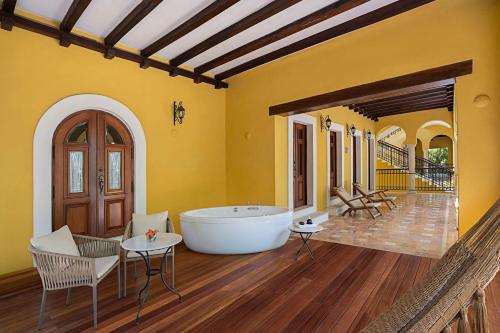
column 60, row 241
column 141, row 223
column 102, row 265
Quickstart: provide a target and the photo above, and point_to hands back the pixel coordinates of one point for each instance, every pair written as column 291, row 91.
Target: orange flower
column 151, row 233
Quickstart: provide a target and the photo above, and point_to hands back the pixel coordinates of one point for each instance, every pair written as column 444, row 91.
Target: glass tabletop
column 141, row 244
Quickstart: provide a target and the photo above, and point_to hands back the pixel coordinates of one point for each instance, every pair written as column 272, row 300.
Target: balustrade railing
column 392, row 154
column 392, row 179
column 431, row 176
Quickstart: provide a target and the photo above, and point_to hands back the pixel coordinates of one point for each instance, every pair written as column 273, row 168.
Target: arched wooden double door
column 92, row 174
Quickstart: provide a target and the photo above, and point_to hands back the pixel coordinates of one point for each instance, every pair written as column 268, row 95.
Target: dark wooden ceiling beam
column 390, row 93
column 367, row 19
column 408, row 97
column 406, row 103
column 399, row 85
column 399, row 107
column 260, row 15
column 411, row 109
column 91, row 44
column 73, row 14
column 194, row 22
column 294, row 27
column 130, row 21
column 8, row 6
column 402, row 102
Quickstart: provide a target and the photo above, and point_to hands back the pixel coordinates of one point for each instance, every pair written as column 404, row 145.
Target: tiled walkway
column 422, row 224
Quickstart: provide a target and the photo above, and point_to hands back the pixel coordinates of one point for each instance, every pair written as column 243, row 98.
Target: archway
column 42, row 153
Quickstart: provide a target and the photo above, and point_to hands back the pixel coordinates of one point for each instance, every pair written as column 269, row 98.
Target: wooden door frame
column 338, row 128
column 312, row 196
column 359, row 163
column 42, row 153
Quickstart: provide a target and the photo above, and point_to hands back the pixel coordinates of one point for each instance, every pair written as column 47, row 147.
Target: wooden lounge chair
column 376, row 196
column 357, row 203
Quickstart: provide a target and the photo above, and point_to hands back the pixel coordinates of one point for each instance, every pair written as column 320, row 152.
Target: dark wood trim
column 194, row 22
column 429, row 77
column 129, row 22
column 94, row 45
column 372, row 17
column 318, row 16
column 73, row 14
column 260, row 15
column 16, row 282
column 8, row 6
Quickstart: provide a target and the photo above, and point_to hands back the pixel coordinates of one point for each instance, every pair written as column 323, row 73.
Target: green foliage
column 439, row 155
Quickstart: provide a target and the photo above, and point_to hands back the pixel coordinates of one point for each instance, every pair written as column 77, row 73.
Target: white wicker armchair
column 59, row 271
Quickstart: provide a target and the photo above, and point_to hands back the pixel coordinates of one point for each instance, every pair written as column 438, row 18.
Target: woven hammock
column 457, row 281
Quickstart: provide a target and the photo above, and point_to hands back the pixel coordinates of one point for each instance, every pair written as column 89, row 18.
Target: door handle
column 100, row 180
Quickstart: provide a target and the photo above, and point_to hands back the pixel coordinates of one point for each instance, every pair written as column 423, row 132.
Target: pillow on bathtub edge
column 142, row 222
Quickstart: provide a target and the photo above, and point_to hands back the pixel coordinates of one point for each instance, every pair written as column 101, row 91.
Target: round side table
column 305, row 234
column 142, row 246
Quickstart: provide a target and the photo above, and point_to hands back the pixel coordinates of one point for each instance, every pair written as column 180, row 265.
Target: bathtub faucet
column 254, row 207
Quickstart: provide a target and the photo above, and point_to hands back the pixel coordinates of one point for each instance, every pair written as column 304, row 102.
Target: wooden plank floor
column 341, row 291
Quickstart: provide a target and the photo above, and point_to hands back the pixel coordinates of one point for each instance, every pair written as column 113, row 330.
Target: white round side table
column 142, row 246
column 305, row 234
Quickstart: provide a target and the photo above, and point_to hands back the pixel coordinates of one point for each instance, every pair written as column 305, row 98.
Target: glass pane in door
column 75, row 171
column 114, row 170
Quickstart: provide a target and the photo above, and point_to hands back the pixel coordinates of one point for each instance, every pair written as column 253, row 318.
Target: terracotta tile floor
column 422, row 224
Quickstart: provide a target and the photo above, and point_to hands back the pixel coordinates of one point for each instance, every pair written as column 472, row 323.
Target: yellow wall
column 185, row 166
column 342, row 116
column 411, row 123
column 439, row 33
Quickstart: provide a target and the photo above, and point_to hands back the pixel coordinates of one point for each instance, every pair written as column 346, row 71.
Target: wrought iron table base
column 150, row 272
column 304, row 244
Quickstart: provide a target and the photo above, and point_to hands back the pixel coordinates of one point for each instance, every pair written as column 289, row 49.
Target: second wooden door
column 300, row 164
column 333, row 159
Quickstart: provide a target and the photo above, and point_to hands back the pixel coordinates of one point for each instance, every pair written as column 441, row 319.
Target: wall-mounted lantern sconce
column 179, row 113
column 368, row 134
column 325, row 122
column 351, row 130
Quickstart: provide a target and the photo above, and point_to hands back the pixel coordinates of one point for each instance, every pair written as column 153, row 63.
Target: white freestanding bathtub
column 236, row 229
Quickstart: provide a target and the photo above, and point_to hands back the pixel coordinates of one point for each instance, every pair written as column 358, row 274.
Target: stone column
column 426, row 154
column 411, row 166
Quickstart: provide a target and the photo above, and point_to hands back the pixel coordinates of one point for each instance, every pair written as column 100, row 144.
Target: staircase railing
column 392, row 154
column 439, row 177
